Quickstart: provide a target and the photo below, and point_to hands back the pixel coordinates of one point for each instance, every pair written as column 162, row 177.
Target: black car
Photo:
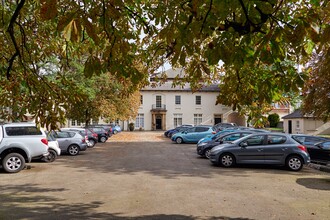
column 316, row 151
column 320, row 152
column 101, row 133
column 204, row 148
column 107, row 128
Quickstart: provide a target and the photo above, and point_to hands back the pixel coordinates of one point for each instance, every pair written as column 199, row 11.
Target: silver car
column 70, row 142
column 265, row 148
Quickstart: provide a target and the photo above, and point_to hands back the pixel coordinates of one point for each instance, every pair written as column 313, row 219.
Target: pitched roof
column 185, row 88
column 297, row 114
column 171, row 74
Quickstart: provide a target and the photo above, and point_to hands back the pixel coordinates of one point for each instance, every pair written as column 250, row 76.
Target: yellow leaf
column 67, row 31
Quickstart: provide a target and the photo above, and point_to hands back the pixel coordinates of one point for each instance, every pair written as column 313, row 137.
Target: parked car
column 53, row 149
column 262, row 148
column 115, row 128
column 70, row 142
column 19, row 143
column 169, row 133
column 215, row 136
column 221, row 126
column 204, row 148
column 102, row 134
column 320, row 152
column 193, row 134
column 91, row 137
column 317, row 152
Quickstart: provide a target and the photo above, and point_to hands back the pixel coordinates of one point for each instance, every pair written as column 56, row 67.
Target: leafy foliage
column 253, row 47
column 273, row 119
column 316, row 92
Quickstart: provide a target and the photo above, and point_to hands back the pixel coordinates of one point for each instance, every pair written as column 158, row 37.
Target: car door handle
column 259, row 150
column 284, row 148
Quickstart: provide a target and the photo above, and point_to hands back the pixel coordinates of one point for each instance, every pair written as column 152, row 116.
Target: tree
column 253, row 47
column 273, row 119
column 316, row 93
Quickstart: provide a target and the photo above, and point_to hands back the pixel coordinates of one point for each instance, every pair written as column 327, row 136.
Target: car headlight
column 202, row 144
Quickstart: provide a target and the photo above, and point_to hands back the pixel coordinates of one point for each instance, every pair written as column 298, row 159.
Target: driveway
column 143, row 175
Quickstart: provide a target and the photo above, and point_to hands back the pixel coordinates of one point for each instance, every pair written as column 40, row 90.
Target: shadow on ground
column 315, row 183
column 160, row 159
column 47, row 207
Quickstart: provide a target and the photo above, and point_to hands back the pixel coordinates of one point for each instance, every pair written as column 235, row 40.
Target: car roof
column 77, row 129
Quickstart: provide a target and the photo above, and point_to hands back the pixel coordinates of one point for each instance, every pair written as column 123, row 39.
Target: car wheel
column 294, row 163
column 179, row 140
column 91, row 142
column 227, row 160
column 103, row 139
column 13, row 163
column 207, row 153
column 51, row 157
column 115, row 131
column 73, row 150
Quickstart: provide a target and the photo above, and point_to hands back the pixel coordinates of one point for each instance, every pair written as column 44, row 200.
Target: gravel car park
column 143, row 175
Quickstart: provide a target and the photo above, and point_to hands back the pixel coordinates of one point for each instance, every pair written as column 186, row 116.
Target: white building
column 166, row 107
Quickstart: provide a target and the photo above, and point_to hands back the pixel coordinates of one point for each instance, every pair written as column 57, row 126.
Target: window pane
column 274, row 139
column 177, row 120
column 158, row 101
column 198, row 119
column 255, row 140
column 198, row 100
column 178, row 100
column 16, row 131
column 139, row 122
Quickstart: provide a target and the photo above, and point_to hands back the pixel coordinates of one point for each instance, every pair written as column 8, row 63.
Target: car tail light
column 45, row 141
column 83, row 140
column 213, row 132
column 95, row 135
column 303, row 148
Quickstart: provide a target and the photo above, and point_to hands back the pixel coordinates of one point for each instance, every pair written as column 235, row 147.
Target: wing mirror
column 243, row 144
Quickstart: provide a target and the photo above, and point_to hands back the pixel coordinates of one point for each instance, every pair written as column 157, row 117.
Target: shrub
column 273, row 119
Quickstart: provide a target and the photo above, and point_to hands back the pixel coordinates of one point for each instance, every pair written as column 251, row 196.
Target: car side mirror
column 243, row 144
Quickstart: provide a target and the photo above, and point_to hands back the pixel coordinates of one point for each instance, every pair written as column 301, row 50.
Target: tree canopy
column 254, row 48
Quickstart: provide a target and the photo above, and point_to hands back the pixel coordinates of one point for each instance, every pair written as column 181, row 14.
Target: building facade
column 298, row 123
column 165, row 107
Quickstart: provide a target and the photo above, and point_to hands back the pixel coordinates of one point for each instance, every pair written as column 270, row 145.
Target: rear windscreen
column 21, row 131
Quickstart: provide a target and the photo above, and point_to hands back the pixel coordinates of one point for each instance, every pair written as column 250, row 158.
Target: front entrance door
column 290, row 127
column 158, row 122
column 217, row 120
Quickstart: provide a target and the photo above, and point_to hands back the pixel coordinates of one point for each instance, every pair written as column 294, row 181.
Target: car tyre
column 91, row 142
column 207, row 153
column 73, row 150
column 103, row 139
column 179, row 140
column 227, row 160
column 115, row 132
column 13, row 163
column 51, row 157
column 294, row 163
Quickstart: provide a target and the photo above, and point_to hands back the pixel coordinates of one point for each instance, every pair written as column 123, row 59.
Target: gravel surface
column 143, row 175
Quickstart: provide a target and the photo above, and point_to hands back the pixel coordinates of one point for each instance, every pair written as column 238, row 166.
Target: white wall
column 187, row 108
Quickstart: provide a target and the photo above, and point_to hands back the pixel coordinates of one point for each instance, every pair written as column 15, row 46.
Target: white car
column 54, row 149
column 19, row 143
